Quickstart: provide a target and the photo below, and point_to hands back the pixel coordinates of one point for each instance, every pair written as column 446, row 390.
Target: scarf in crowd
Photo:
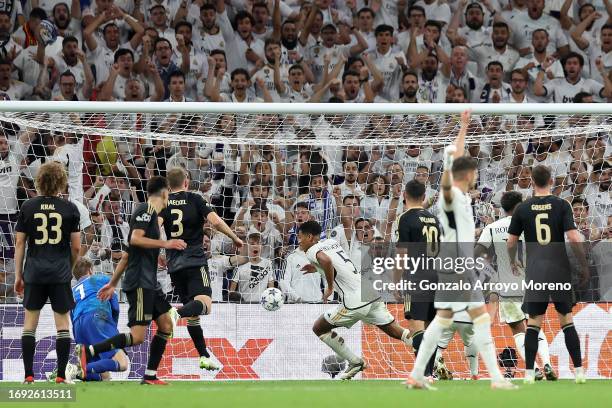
column 30, row 38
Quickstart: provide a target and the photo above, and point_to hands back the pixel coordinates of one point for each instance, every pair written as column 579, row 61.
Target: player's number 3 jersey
column 347, row 279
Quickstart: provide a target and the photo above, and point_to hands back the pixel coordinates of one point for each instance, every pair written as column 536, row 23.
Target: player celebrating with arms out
column 458, row 178
column 49, row 225
column 145, row 297
column 545, row 220
column 342, row 275
column 494, row 236
column 184, row 219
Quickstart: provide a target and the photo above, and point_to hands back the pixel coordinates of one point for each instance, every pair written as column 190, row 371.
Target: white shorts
column 457, row 306
column 511, row 312
column 375, row 313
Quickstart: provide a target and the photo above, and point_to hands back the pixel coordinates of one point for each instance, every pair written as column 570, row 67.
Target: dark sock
column 417, row 338
column 119, row 341
column 531, row 346
column 28, row 347
column 430, row 365
column 572, row 342
column 192, row 308
column 62, row 348
column 156, row 351
column 197, row 336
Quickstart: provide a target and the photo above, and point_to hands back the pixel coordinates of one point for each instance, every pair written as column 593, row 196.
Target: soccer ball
column 48, row 32
column 272, row 299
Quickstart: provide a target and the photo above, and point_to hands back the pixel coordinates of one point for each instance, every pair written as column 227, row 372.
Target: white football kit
column 496, row 235
column 457, row 222
column 347, row 284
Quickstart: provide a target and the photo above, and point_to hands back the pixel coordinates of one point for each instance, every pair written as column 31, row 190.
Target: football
column 272, row 299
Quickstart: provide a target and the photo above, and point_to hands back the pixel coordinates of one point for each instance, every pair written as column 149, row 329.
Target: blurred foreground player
column 49, row 226
column 545, row 220
column 455, row 209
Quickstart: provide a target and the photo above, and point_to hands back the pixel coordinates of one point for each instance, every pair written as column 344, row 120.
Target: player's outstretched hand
column 327, row 294
column 19, row 287
column 178, row 244
column 309, row 268
column 106, row 292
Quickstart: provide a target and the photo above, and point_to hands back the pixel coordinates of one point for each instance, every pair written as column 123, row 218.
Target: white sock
column 336, row 343
column 530, row 373
column 446, row 337
column 519, row 341
column 428, row 345
column 578, row 370
column 484, row 343
column 471, row 353
column 406, row 339
column 543, row 348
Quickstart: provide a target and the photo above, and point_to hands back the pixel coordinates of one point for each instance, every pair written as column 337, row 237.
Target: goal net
column 266, row 168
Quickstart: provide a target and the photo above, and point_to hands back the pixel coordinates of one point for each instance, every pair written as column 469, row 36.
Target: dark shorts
column 424, row 311
column 564, row 302
column 191, row 282
column 60, row 294
column 145, row 305
column 539, row 308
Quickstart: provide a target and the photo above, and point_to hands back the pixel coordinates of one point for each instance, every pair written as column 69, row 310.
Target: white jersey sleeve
column 347, row 279
column 457, row 218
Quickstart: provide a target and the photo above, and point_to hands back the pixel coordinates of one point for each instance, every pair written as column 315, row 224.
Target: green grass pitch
column 336, row 394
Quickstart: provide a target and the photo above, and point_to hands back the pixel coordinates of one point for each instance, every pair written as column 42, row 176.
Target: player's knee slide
column 483, row 319
column 445, row 322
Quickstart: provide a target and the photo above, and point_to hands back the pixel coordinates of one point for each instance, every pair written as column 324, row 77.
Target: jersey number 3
column 177, row 222
column 49, row 234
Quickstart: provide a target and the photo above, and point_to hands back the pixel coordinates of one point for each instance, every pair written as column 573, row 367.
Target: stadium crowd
column 338, row 51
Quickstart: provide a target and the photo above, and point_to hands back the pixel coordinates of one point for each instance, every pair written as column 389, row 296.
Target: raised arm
column 578, row 31
column 452, row 152
column 220, row 225
column 276, row 21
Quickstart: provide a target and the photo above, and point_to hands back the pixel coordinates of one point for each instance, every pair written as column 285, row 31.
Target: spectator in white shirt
column 495, row 90
column 68, row 20
column 595, row 51
column 102, row 54
column 496, row 50
column 11, row 89
column 525, row 24
column 242, row 48
column 458, row 75
column 563, row 90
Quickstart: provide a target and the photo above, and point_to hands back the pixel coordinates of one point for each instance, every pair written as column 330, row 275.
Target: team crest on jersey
column 334, row 233
column 144, row 217
column 391, row 65
column 316, row 50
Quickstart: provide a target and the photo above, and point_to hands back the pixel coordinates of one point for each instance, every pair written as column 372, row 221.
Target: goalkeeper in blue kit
column 93, row 321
